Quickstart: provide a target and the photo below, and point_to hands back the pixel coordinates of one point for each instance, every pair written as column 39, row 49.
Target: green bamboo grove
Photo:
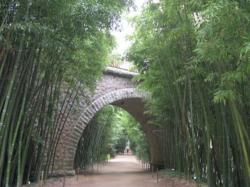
column 107, row 135
column 125, row 124
column 194, row 58
column 95, row 143
column 48, row 50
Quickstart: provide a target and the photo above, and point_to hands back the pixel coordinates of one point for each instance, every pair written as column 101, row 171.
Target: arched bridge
column 116, row 88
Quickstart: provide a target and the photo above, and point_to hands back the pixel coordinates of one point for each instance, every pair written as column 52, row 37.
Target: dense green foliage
column 194, row 59
column 108, row 134
column 48, row 50
column 193, row 56
column 96, row 141
column 126, row 127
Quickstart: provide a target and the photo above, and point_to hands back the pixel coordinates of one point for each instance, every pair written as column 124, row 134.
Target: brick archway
column 116, row 88
column 109, row 98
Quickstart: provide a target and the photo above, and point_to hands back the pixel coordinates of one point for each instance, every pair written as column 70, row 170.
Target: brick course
column 117, row 88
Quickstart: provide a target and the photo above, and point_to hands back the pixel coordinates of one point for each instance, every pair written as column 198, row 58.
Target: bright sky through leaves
column 126, row 28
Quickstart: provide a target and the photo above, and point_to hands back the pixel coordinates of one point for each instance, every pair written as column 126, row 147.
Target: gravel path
column 123, row 171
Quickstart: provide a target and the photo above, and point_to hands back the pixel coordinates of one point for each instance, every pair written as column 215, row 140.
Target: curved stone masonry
column 116, row 87
column 104, row 100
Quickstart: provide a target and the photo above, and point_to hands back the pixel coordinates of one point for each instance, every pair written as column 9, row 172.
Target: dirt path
column 123, row 171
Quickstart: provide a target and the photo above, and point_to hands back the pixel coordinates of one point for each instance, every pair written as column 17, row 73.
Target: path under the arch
column 123, row 171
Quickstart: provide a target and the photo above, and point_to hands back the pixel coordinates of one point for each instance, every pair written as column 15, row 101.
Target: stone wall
column 116, row 87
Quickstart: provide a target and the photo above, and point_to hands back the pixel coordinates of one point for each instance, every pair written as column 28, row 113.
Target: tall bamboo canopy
column 194, row 58
column 192, row 55
column 48, row 48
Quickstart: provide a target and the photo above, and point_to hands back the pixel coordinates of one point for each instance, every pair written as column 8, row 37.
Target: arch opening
column 129, row 99
column 112, row 131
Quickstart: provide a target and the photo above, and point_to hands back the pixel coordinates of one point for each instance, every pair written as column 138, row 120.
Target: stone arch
column 116, row 98
column 116, row 88
column 99, row 103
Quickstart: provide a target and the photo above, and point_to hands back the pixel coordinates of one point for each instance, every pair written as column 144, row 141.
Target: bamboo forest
column 70, row 113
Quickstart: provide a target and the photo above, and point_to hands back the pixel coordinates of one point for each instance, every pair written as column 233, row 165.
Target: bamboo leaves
column 202, row 92
column 42, row 46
